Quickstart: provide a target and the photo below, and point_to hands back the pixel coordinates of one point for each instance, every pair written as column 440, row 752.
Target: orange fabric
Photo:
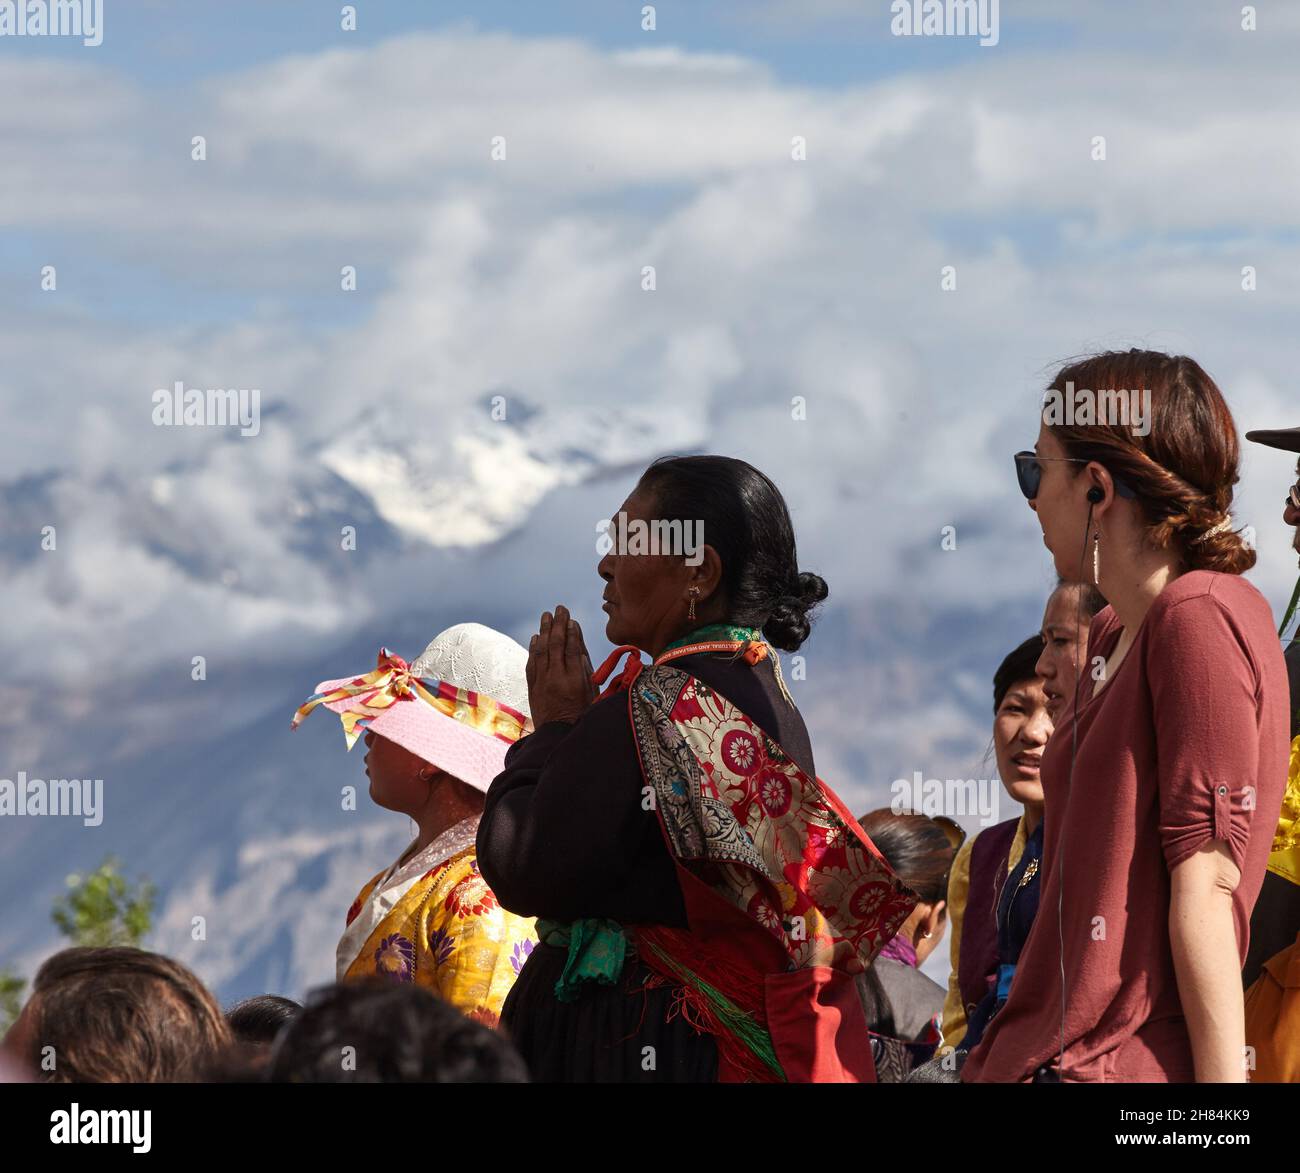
column 631, row 669
column 1273, row 1018
column 632, row 666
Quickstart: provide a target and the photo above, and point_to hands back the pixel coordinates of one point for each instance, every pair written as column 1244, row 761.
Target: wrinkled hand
column 559, row 670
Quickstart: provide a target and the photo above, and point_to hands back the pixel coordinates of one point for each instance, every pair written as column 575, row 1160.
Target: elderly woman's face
column 646, row 595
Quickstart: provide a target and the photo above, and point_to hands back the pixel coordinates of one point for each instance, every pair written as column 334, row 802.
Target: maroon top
column 977, row 953
column 1188, row 742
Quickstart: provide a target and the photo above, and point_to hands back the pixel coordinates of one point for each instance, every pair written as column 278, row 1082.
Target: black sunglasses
column 1029, row 473
column 952, row 829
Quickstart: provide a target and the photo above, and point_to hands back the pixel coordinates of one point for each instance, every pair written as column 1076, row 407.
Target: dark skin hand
column 559, row 670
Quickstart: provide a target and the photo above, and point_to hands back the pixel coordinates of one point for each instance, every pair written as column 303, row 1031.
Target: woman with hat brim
column 704, row 900
column 436, row 733
column 1273, row 963
column 1288, row 440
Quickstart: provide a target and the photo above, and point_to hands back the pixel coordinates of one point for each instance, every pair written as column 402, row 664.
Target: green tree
column 103, row 907
column 11, row 997
column 100, row 908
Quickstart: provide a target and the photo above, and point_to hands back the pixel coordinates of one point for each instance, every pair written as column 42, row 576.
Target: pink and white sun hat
column 459, row 706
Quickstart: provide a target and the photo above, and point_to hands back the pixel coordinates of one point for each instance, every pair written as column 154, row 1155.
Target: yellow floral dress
column 444, row 930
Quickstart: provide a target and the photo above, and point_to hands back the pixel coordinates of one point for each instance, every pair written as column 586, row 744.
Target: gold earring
column 690, row 609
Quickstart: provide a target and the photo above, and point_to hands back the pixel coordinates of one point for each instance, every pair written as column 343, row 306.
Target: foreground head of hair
column 118, row 1015
column 261, row 1018
column 382, row 1032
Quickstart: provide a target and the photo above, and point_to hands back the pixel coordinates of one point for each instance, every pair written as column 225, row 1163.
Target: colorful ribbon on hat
column 392, row 681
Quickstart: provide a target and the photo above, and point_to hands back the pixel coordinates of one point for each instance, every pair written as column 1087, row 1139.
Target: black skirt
column 620, row 1033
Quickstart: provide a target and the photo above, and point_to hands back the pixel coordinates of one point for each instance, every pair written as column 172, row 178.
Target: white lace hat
column 480, row 659
column 459, row 706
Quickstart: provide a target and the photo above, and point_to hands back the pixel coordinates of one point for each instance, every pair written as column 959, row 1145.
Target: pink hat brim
column 473, row 757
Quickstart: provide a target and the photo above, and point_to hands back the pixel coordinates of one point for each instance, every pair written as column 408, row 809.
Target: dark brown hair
column 1183, row 470
column 1018, row 665
column 746, row 521
column 920, row 853
column 1091, row 600
column 915, row 847
column 121, row 1015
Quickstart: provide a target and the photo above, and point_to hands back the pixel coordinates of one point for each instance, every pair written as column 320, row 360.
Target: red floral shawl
column 786, row 896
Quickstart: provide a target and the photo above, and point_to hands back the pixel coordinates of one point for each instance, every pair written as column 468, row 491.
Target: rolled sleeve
column 1205, row 697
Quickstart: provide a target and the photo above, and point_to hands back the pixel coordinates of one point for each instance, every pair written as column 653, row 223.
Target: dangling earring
column 690, row 609
column 1096, row 558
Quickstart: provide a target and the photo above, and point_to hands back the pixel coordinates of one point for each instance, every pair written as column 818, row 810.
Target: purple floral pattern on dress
column 395, row 958
column 442, row 945
column 520, row 954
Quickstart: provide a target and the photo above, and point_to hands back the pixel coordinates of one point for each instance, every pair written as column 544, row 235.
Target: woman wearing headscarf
column 1164, row 781
column 704, row 901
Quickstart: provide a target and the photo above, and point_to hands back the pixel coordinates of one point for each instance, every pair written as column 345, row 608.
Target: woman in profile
column 1163, row 781
column 705, row 901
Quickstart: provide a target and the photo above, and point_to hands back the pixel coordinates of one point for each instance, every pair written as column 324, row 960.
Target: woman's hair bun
column 1219, row 548
column 811, row 588
column 790, row 622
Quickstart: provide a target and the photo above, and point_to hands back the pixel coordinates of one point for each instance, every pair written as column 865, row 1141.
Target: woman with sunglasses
column 1164, row 779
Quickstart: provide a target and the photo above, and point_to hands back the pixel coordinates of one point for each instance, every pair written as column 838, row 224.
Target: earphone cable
column 1069, row 785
